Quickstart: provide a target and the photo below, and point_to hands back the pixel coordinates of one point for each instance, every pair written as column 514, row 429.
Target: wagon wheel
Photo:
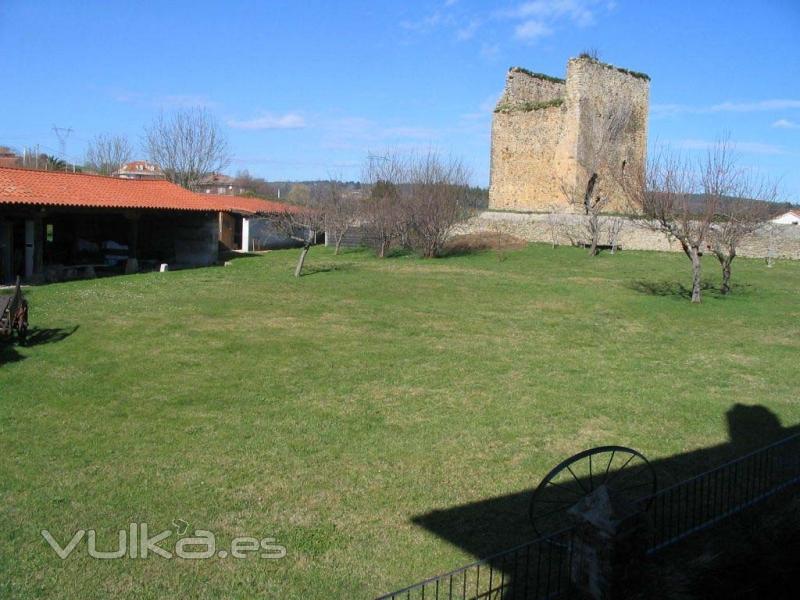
column 624, row 471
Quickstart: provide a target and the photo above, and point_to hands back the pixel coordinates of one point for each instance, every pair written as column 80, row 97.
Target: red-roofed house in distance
column 8, row 158
column 56, row 225
column 222, row 185
column 139, row 169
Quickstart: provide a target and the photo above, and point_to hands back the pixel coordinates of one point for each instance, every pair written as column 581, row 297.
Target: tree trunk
column 338, row 244
column 594, row 230
column 696, row 273
column 725, row 288
column 302, row 259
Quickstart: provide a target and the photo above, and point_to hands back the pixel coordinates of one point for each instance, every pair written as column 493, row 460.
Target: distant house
column 8, row 158
column 56, row 225
column 222, row 185
column 139, row 169
column 791, row 217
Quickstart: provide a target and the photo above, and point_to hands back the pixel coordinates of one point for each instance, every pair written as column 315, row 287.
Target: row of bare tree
column 414, row 200
column 411, row 201
column 707, row 206
column 187, row 144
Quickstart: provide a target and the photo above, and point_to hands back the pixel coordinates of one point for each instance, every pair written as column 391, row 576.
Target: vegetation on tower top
column 637, row 74
column 507, row 107
column 537, row 75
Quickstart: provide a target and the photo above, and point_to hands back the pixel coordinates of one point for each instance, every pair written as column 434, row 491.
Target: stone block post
column 609, row 545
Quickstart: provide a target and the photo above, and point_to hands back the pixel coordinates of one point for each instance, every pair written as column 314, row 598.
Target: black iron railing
column 537, row 569
column 541, row 568
column 697, row 503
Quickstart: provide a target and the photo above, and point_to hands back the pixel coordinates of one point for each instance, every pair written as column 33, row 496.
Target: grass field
column 330, row 411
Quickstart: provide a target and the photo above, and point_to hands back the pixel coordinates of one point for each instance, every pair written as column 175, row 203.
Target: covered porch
column 54, row 243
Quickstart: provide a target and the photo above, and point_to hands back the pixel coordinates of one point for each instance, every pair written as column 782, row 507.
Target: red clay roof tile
column 52, row 188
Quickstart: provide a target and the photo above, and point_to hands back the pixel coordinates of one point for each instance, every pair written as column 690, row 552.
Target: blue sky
column 308, row 89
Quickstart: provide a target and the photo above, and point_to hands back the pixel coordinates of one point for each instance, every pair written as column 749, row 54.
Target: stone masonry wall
column 523, row 86
column 594, row 91
column 524, row 152
column 781, row 241
column 543, row 127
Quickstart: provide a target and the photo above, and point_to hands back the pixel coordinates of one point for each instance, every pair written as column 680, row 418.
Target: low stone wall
column 779, row 241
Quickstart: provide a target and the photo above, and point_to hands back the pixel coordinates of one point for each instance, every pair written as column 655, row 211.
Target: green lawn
column 329, row 411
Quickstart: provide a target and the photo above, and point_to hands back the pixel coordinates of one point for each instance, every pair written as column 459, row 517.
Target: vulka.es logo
column 136, row 542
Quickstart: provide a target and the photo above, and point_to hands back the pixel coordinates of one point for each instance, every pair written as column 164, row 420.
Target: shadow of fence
column 541, row 568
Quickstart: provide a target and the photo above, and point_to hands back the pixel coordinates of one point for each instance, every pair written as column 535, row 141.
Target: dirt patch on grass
column 483, row 241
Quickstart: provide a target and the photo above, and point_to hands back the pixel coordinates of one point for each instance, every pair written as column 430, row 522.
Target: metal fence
column 537, row 569
column 540, row 569
column 689, row 506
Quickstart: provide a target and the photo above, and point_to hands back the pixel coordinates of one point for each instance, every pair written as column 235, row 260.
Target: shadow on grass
column 400, row 253
column 490, row 526
column 36, row 337
column 326, row 268
column 481, row 243
column 679, row 291
column 233, row 255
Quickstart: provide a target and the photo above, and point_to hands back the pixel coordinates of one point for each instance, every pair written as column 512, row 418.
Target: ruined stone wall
column 544, row 133
column 780, row 241
column 526, row 130
column 524, row 150
column 523, row 86
column 595, row 91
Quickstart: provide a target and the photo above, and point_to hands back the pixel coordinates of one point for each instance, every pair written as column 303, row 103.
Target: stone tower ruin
column 550, row 136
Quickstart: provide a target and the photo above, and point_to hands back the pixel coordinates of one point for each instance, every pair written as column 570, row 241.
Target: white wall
column 787, row 219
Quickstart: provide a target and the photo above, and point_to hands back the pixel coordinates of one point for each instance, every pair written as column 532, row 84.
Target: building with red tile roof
column 139, row 169
column 53, row 220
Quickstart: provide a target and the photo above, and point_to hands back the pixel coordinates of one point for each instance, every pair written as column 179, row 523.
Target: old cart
column 14, row 314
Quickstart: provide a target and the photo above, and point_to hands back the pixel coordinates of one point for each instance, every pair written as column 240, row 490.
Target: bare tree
column 740, row 203
column 738, row 220
column 256, row 186
column 383, row 210
column 590, row 190
column 381, row 213
column 438, row 196
column 301, row 223
column 188, row 145
column 614, row 227
column 666, row 199
column 300, row 194
column 554, row 222
column 107, row 153
column 339, row 211
column 770, row 232
column 414, row 200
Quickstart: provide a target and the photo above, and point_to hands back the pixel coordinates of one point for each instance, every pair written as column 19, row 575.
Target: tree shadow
column 481, row 243
column 679, row 291
column 326, row 268
column 492, row 526
column 400, row 252
column 36, row 336
column 226, row 255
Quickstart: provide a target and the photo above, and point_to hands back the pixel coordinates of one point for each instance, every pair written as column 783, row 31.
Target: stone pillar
column 132, row 264
column 29, row 246
column 39, row 237
column 609, row 545
column 5, row 252
column 245, row 235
